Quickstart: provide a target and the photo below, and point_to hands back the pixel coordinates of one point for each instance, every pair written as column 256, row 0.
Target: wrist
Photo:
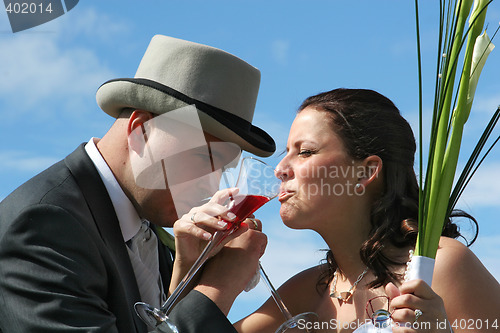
column 222, row 298
column 181, row 267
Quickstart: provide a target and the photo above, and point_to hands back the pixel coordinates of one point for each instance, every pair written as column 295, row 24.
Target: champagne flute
column 257, row 185
column 292, row 323
column 257, row 179
column 252, row 170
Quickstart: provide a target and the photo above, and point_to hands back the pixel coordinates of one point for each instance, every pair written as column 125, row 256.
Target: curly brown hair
column 370, row 124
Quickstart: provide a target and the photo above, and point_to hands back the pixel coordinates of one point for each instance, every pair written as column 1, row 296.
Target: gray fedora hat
column 175, row 73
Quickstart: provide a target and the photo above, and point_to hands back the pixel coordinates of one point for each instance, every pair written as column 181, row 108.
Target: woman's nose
column 283, row 171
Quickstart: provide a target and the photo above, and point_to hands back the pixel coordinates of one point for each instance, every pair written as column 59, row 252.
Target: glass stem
column 274, row 293
column 207, row 251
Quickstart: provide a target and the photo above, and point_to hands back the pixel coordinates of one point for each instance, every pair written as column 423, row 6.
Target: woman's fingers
column 391, row 290
column 195, row 228
column 202, row 221
column 207, row 218
column 419, row 288
column 214, row 216
column 404, row 315
column 405, row 301
column 414, row 303
column 251, row 223
column 223, row 197
column 185, row 227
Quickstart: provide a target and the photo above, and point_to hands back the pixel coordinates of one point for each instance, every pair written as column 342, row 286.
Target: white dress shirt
column 129, row 220
column 146, row 270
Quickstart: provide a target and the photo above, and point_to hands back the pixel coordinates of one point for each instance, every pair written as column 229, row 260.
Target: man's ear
column 136, row 131
column 372, row 170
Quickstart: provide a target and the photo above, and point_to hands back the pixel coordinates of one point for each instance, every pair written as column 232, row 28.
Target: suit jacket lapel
column 88, row 179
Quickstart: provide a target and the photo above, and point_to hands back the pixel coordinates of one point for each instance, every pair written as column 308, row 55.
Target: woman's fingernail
column 222, row 224
column 231, row 215
column 207, row 235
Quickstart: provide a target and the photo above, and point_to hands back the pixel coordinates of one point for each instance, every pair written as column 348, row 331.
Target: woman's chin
column 291, row 220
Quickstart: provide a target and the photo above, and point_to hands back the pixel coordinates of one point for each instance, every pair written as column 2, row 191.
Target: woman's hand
column 194, row 229
column 415, row 307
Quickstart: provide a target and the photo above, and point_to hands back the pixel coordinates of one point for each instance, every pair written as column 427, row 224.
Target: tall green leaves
column 460, row 41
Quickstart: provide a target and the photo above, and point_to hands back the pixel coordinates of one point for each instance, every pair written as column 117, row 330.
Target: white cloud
column 485, row 104
column 91, row 23
column 42, row 66
column 280, row 51
column 38, row 71
column 23, row 161
column 403, row 48
column 484, row 188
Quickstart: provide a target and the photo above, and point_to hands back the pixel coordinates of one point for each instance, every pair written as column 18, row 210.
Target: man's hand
column 226, row 275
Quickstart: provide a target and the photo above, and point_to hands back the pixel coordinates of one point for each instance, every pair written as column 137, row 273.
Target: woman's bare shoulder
column 303, row 288
column 306, row 279
column 299, row 294
column 453, row 254
column 453, row 257
column 466, row 286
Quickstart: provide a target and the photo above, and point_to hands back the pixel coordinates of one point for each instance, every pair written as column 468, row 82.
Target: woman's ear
column 136, row 132
column 372, row 166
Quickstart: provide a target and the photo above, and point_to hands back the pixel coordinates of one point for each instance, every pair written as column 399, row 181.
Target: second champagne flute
column 257, row 182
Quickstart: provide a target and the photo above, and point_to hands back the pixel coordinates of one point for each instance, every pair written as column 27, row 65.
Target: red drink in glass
column 245, row 205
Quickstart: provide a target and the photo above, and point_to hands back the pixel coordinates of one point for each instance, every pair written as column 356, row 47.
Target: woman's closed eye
column 306, row 152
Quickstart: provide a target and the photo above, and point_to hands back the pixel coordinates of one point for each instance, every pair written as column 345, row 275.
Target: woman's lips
column 284, row 195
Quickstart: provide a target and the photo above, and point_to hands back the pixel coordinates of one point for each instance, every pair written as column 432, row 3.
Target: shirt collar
column 128, row 218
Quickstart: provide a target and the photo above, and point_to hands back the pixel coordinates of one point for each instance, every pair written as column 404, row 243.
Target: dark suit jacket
column 63, row 263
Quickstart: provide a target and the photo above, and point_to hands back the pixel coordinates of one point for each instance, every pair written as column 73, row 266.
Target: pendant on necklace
column 343, row 296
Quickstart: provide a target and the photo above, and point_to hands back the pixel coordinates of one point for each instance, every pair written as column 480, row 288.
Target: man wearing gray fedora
column 82, row 242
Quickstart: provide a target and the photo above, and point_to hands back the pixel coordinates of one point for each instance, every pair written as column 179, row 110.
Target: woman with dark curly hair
column 348, row 175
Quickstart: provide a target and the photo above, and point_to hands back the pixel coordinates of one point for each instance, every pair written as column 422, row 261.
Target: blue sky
column 49, row 76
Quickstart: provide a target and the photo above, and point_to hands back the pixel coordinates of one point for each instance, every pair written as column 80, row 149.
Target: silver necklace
column 345, row 296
